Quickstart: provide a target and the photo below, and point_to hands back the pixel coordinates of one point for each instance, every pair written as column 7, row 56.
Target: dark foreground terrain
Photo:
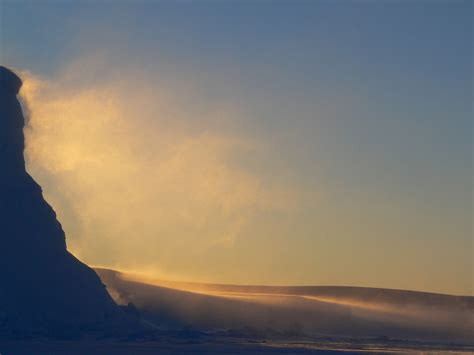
column 205, row 345
column 191, row 318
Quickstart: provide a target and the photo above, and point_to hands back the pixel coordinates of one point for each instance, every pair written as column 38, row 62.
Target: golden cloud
column 136, row 177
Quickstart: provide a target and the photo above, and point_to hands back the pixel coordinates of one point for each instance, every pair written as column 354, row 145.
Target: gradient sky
column 255, row 142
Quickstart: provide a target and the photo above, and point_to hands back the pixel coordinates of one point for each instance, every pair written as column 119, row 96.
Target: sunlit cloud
column 134, row 176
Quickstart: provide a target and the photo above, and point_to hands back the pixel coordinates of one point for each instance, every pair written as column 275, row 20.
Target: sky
column 254, row 142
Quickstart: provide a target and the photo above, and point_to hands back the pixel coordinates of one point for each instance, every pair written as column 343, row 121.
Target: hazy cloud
column 133, row 174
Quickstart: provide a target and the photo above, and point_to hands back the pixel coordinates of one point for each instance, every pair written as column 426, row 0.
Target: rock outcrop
column 44, row 290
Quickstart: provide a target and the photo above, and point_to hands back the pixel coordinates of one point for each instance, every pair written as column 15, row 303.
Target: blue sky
column 363, row 111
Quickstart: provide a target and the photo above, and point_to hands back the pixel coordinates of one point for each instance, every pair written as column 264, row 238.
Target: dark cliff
column 44, row 290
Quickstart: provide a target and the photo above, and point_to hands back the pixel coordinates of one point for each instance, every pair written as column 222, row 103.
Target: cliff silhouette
column 44, row 290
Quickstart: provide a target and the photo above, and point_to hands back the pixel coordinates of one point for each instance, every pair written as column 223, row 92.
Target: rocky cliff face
column 44, row 290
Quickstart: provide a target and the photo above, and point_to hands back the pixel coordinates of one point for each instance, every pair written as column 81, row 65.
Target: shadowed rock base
column 44, row 290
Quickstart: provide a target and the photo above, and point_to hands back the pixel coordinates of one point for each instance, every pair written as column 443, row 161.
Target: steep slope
column 44, row 290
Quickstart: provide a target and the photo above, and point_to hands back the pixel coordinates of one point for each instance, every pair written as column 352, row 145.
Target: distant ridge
column 299, row 310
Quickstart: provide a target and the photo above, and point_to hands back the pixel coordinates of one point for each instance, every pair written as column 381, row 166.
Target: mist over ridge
column 297, row 311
